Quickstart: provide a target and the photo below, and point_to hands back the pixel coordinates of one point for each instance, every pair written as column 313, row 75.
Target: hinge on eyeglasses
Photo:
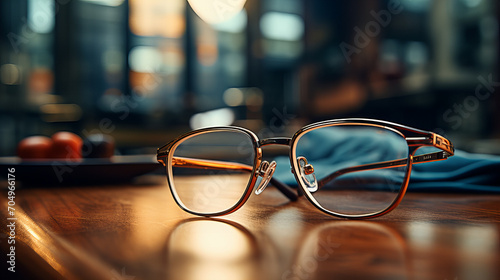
column 443, row 143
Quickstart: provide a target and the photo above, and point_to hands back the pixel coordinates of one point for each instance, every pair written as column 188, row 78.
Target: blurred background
column 145, row 71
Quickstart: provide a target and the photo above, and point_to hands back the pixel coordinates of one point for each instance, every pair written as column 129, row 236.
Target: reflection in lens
column 211, row 170
column 360, row 169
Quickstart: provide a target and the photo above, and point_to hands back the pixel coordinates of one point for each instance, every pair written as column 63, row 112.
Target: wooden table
column 136, row 231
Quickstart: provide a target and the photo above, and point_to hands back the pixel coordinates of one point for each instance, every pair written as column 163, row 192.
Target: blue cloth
column 463, row 172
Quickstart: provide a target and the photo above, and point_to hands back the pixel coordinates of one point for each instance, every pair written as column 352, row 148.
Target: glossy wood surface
column 137, row 231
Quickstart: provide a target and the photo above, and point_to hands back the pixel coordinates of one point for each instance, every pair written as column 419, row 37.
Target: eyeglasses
column 350, row 168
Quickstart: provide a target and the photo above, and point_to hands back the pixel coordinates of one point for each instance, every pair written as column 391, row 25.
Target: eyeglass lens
column 211, row 171
column 346, row 162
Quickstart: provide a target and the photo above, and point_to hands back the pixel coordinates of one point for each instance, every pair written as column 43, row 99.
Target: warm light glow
column 144, row 83
column 206, row 249
column 216, row 11
column 61, row 112
column 207, row 53
column 478, row 239
column 211, row 241
column 233, row 97
column 173, row 57
column 157, row 18
column 421, row 233
column 251, row 97
column 40, row 242
column 477, row 244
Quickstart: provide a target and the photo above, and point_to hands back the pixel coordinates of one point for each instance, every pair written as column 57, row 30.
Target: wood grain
column 137, row 231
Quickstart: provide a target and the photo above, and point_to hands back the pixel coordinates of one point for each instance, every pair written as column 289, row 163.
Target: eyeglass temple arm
column 383, row 165
column 222, row 165
column 434, row 140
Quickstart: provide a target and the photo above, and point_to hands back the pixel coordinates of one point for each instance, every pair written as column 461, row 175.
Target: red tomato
column 66, row 145
column 34, row 147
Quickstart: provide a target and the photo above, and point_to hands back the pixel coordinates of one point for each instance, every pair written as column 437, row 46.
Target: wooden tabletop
column 137, row 231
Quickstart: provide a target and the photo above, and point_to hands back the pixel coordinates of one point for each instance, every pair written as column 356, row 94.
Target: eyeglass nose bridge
column 266, row 171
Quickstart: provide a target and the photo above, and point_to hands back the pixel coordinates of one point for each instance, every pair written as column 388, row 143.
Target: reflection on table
column 137, row 231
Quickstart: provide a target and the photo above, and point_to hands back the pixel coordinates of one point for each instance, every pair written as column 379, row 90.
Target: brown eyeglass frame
column 415, row 139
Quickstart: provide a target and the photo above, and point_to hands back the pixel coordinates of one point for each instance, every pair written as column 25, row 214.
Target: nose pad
column 266, row 171
column 307, row 174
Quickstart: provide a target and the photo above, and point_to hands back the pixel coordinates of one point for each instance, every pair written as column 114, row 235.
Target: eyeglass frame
column 423, row 138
